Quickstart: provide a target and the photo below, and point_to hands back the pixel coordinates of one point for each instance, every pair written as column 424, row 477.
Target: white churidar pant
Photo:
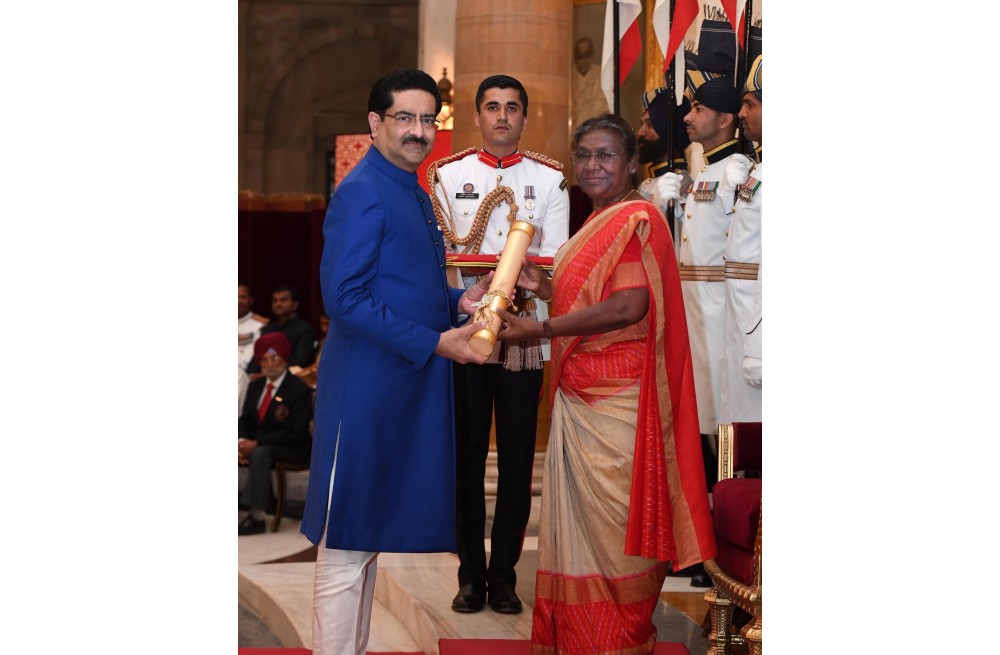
column 343, row 593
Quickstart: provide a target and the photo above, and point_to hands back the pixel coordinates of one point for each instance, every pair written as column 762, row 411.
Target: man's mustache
column 409, row 138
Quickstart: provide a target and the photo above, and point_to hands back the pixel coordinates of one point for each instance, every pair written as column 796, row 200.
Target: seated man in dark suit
column 285, row 319
column 274, row 425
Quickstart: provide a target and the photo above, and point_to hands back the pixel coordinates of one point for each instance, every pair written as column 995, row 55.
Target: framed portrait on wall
column 588, row 35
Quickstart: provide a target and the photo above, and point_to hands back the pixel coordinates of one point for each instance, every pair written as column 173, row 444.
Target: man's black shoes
column 471, row 598
column 504, row 600
column 250, row 525
column 701, row 579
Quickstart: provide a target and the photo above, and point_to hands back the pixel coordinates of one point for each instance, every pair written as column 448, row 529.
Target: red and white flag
column 730, row 8
column 685, row 12
column 661, row 27
column 738, row 18
column 630, row 44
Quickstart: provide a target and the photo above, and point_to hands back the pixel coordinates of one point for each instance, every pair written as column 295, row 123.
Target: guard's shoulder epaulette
column 458, row 155
column 262, row 319
column 542, row 159
column 432, row 170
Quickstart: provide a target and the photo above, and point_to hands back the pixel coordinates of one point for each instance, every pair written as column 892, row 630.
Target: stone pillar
column 436, row 42
column 531, row 41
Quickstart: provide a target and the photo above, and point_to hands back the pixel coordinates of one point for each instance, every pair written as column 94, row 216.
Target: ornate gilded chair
column 736, row 516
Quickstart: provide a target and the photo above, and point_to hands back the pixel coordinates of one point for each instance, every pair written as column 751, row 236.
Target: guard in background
column 741, row 362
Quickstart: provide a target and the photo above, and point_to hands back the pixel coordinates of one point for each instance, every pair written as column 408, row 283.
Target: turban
column 719, row 94
column 657, row 103
column 275, row 342
column 753, row 79
column 693, row 78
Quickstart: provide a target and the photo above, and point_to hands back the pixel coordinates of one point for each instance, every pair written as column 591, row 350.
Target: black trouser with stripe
column 515, row 396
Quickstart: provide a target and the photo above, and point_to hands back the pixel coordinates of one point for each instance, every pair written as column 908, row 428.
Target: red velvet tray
column 488, row 262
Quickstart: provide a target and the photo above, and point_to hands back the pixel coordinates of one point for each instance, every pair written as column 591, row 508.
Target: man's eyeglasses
column 583, row 157
column 408, row 120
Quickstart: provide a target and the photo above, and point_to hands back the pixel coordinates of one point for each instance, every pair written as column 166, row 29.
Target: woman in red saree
column 623, row 496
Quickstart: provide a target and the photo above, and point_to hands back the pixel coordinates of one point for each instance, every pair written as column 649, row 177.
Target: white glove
column 752, row 371
column 668, row 186
column 737, row 171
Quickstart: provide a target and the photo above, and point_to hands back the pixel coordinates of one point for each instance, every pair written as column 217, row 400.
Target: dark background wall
column 305, row 71
column 278, row 247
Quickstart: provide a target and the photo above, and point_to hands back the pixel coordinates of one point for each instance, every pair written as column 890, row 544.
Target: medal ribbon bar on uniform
column 529, row 196
column 705, row 191
column 748, row 188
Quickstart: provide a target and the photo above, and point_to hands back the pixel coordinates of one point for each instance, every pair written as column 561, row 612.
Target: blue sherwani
column 384, row 399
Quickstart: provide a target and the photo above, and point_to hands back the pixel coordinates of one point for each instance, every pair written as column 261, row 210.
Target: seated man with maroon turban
column 273, row 427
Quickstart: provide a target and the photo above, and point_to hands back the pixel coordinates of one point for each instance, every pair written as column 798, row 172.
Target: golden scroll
column 501, row 287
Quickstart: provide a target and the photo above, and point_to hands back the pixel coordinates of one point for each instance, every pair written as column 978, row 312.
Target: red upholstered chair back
column 738, row 521
column 740, row 450
column 747, row 448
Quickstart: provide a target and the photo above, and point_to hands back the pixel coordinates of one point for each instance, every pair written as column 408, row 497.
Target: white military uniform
column 250, row 325
column 702, row 270
column 740, row 400
column 540, row 194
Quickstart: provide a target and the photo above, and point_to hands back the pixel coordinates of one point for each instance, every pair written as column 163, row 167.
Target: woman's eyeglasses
column 602, row 157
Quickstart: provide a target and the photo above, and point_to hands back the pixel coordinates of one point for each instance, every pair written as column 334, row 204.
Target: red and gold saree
column 624, row 487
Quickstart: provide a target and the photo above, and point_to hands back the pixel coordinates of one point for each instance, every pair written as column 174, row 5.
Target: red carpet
column 523, row 647
column 468, row 647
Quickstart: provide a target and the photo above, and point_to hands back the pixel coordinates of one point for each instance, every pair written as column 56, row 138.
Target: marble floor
column 413, row 595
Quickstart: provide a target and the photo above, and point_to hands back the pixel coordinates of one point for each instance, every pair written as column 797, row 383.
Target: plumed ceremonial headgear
column 275, row 342
column 719, row 94
column 753, row 79
column 657, row 103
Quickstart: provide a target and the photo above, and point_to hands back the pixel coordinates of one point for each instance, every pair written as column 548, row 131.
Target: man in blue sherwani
column 382, row 476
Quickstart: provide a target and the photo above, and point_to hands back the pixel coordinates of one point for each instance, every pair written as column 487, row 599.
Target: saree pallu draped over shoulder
column 624, row 494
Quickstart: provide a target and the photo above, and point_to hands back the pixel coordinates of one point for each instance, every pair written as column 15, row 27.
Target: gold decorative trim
column 718, row 148
column 542, row 159
column 741, row 271
column 725, row 451
column 702, row 273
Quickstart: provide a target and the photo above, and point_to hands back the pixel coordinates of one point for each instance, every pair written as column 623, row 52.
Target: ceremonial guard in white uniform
column 741, row 364
column 712, row 123
column 466, row 188
column 477, row 194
